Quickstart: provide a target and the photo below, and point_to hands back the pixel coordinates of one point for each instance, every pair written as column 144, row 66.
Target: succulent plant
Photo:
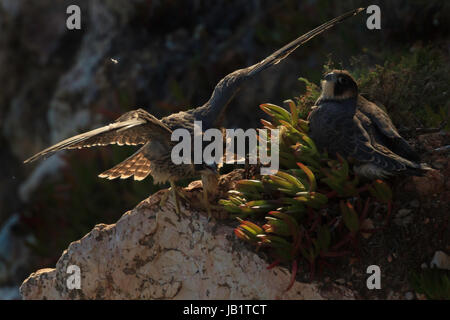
column 433, row 283
column 314, row 207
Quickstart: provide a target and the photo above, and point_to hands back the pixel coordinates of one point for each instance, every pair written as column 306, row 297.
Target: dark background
column 56, row 82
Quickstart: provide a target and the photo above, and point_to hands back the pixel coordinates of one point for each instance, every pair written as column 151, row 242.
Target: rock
column 409, row 296
column 434, row 182
column 335, row 292
column 393, row 295
column 440, row 260
column 403, row 217
column 428, row 185
column 14, row 253
column 153, row 253
column 415, row 203
column 367, row 224
column 432, row 141
column 44, row 170
column 9, row 293
column 27, row 89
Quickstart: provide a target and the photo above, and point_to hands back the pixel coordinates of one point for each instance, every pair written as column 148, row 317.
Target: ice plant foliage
column 313, row 208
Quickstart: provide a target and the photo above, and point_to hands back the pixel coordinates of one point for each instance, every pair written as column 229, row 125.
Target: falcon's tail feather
column 136, row 165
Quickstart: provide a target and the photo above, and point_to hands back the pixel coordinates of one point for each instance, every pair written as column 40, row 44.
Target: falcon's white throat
column 328, row 92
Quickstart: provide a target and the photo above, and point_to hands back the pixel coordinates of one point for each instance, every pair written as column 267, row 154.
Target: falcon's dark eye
column 342, row 80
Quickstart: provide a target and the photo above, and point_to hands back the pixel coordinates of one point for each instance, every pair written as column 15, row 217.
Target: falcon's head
column 339, row 85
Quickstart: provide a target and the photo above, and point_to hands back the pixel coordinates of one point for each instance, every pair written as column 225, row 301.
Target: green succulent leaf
column 381, row 191
column 294, row 111
column 433, row 283
column 301, row 203
column 310, row 175
column 349, row 216
column 276, row 112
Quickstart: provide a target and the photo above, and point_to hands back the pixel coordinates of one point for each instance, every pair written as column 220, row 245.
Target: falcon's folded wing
column 392, row 138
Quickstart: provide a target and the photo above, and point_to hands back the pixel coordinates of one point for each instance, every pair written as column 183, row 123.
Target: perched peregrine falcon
column 344, row 122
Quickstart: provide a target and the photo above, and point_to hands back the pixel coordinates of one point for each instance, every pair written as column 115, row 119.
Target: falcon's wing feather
column 282, row 53
column 132, row 128
column 230, row 84
column 354, row 141
column 385, row 126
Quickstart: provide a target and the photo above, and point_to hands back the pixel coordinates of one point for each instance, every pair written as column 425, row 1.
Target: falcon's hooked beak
column 338, row 85
column 331, row 77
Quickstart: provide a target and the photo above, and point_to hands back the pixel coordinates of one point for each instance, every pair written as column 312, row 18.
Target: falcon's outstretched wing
column 132, row 128
column 282, row 53
column 230, row 84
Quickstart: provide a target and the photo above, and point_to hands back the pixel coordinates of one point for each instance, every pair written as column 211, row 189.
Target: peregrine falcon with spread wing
column 138, row 127
column 344, row 122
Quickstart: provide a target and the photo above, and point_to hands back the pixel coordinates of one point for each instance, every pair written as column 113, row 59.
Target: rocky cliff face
column 170, row 54
column 58, row 82
column 153, row 253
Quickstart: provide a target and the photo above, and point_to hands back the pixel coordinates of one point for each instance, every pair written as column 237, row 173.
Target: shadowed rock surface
column 58, row 82
column 152, row 253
